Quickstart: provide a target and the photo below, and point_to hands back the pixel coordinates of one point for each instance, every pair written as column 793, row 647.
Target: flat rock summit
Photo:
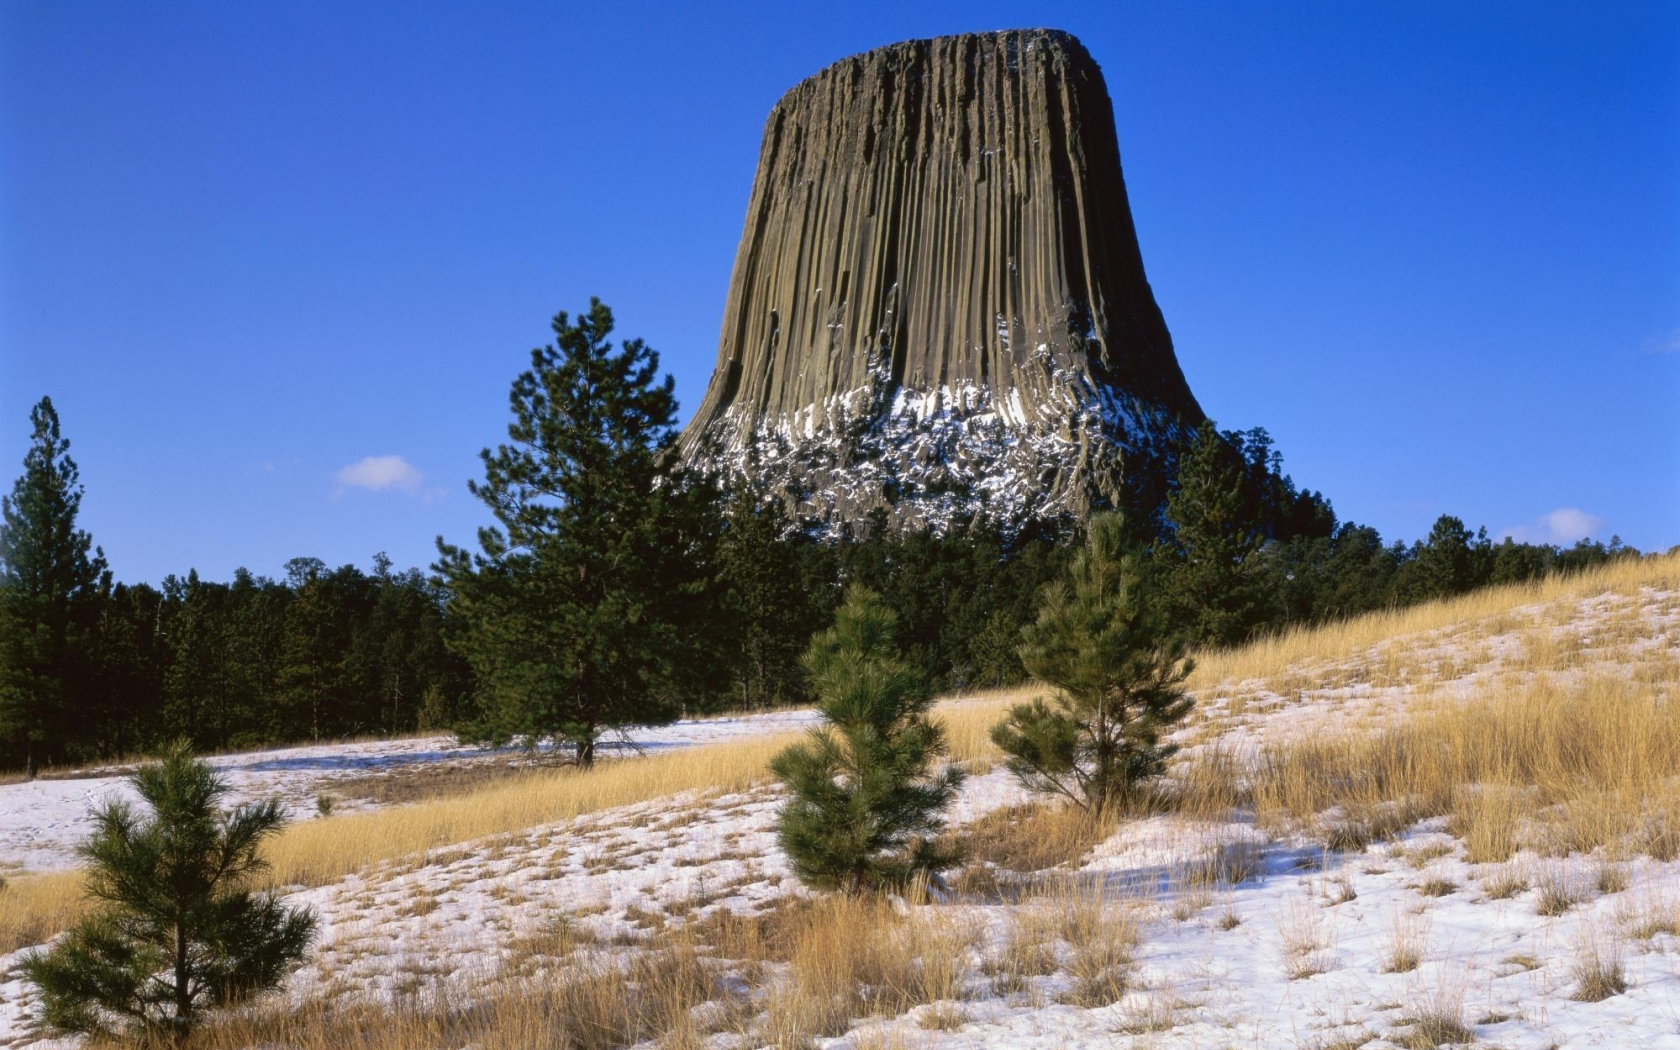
column 938, row 305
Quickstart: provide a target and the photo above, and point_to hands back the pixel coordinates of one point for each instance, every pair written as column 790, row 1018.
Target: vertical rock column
column 938, row 304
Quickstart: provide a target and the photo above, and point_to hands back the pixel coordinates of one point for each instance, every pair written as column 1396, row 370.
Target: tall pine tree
column 1216, row 529
column 49, row 589
column 582, row 611
column 768, row 608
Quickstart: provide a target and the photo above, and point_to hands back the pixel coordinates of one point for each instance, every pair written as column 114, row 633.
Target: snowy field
column 1303, row 948
column 41, row 822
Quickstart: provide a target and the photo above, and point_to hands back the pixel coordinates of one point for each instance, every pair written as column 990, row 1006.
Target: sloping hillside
column 1450, row 823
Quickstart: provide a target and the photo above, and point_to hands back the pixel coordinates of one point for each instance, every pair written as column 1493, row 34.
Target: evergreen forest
column 617, row 588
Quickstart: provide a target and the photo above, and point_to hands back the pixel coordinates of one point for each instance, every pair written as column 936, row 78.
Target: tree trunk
column 183, row 987
column 586, row 753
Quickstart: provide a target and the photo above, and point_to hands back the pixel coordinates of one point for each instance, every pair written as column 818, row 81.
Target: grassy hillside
column 1518, row 747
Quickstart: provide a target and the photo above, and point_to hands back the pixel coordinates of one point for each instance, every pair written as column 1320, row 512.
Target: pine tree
column 584, row 610
column 1448, row 562
column 197, row 685
column 1217, row 528
column 313, row 649
column 1117, row 673
column 864, row 801
column 48, row 582
column 177, row 930
column 768, row 609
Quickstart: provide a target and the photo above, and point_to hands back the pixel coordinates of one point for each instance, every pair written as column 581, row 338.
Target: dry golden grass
column 1306, row 932
column 1034, row 836
column 1102, row 934
column 1028, row 951
column 969, row 721
column 1408, row 940
column 316, row 852
column 320, row 851
column 1486, row 611
column 1595, row 763
column 601, row 1007
column 1504, row 882
column 35, row 907
column 1597, row 966
column 850, row 956
column 1437, row 1019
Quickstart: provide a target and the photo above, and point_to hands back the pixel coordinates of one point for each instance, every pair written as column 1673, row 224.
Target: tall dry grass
column 603, row 1005
column 1491, row 606
column 1585, row 764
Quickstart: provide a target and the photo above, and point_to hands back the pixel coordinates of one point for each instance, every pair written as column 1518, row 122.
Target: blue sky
column 277, row 264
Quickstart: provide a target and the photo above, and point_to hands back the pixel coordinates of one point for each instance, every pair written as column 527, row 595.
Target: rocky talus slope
column 938, row 305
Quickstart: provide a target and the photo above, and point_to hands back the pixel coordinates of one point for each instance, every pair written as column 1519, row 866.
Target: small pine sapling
column 1118, row 676
column 865, row 800
column 178, row 929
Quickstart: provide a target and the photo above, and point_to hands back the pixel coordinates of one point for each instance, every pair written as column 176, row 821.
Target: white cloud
column 1564, row 525
column 381, row 474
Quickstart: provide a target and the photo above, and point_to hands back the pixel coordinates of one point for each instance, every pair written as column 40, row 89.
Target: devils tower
column 938, row 305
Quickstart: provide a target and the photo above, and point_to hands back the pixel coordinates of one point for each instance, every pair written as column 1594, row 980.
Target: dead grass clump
column 1226, row 864
column 1205, row 786
column 1486, row 816
column 1157, row 1013
column 1657, row 914
column 1101, row 937
column 1611, row 878
column 850, row 956
column 1035, row 836
column 1358, row 823
column 549, row 942
column 1597, row 968
column 1408, row 936
column 1437, row 1020
column 1028, row 951
column 1557, row 892
column 1306, row 933
column 1504, row 883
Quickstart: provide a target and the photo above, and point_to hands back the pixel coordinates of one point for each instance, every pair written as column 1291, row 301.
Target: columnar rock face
column 938, row 305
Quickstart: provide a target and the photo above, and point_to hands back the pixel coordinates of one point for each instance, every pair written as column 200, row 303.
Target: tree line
column 618, row 586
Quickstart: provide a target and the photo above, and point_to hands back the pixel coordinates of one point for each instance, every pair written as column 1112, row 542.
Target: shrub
column 1118, row 677
column 865, row 801
column 178, row 930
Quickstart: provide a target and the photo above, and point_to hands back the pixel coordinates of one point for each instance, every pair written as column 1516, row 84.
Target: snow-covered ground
column 42, row 821
column 1298, row 954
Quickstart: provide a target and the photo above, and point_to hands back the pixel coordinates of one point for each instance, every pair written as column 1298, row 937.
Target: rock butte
column 938, row 305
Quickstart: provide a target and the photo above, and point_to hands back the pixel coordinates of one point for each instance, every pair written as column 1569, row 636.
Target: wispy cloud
column 1663, row 344
column 381, row 474
column 1564, row 525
